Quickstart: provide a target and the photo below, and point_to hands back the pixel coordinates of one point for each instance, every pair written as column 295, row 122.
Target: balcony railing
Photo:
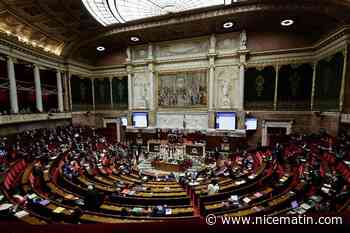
column 22, row 118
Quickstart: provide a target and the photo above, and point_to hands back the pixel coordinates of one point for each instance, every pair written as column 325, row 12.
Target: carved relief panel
column 170, row 120
column 140, row 52
column 229, row 42
column 196, row 121
column 142, row 91
column 227, row 87
column 182, row 48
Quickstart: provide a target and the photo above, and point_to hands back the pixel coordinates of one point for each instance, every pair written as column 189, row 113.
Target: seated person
column 137, row 211
column 213, row 187
column 159, row 211
column 92, row 199
column 124, row 212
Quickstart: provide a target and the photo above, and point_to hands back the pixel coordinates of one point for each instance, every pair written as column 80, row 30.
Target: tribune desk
column 169, row 167
column 188, row 148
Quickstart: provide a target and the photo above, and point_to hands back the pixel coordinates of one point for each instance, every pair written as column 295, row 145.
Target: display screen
column 140, row 119
column 124, row 121
column 251, row 123
column 226, row 120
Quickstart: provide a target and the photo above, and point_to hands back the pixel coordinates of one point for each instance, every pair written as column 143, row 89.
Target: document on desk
column 251, row 176
column 234, row 198
column 5, row 206
column 168, row 211
column 305, row 206
column 32, row 196
column 21, row 214
column 257, row 195
column 58, row 210
column 246, row 200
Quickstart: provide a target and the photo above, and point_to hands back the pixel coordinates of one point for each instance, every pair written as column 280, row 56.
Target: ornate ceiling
column 66, row 26
column 50, row 24
column 109, row 12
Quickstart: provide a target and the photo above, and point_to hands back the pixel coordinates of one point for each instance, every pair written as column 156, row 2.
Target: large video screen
column 140, row 119
column 226, row 120
column 251, row 123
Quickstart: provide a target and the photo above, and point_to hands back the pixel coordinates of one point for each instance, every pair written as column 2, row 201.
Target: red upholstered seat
column 7, row 184
column 10, row 178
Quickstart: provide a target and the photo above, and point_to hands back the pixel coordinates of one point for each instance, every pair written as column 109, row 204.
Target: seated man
column 158, row 211
column 213, row 187
column 92, row 199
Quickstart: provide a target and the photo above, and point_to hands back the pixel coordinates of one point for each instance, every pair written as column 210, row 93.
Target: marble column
column 130, row 92
column 150, row 52
column 13, row 88
column 313, row 85
column 212, row 54
column 151, row 69
column 93, row 94
column 70, row 91
column 130, row 88
column 264, row 134
column 111, row 90
column 151, row 86
column 119, row 126
column 59, row 91
column 342, row 90
column 241, row 80
column 211, row 83
column 275, row 99
column 211, row 89
column 242, row 64
column 66, row 91
column 38, row 93
column 128, row 54
column 153, row 99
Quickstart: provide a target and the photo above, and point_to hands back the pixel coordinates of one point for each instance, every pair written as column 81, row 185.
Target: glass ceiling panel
column 109, row 12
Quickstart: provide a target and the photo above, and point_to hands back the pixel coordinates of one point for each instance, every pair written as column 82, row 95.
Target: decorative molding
column 23, row 118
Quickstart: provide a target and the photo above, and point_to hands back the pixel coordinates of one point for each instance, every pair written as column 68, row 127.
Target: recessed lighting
column 100, row 48
column 228, row 25
column 287, row 22
column 135, row 39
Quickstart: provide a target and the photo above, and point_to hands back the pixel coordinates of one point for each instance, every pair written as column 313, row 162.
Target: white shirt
column 213, row 188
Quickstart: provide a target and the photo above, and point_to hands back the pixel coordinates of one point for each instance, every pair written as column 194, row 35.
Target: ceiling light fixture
column 135, row 39
column 228, row 25
column 287, row 22
column 100, row 48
